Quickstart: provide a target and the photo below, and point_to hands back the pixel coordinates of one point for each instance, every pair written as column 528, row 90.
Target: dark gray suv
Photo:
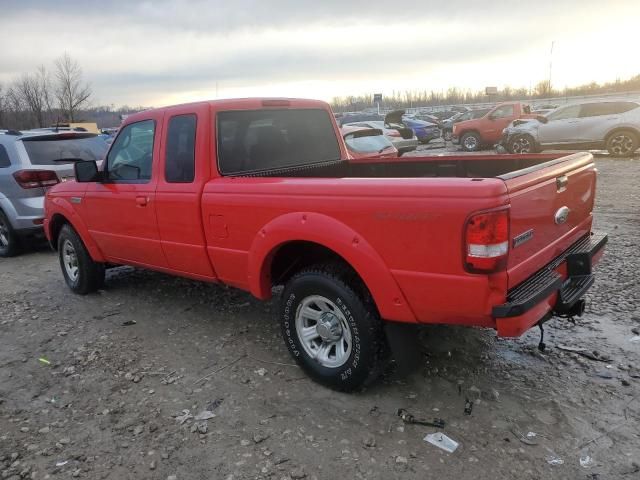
column 30, row 163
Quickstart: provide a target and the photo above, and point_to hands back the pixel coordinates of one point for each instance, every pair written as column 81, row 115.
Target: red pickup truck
column 472, row 135
column 260, row 193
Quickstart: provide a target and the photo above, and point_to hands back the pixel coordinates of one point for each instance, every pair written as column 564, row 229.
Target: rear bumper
column 555, row 289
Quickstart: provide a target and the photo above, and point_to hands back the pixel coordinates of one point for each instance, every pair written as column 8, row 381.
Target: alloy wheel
column 323, row 331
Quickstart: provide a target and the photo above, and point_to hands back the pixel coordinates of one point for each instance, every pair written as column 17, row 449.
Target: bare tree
column 72, row 92
column 28, row 88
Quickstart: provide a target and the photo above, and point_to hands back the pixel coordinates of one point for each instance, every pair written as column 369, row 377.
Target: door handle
column 142, row 201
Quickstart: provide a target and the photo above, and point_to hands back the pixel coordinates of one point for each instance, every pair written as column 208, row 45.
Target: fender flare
column 63, row 208
column 337, row 237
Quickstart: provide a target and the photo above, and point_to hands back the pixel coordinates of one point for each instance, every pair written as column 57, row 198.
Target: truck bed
column 450, row 166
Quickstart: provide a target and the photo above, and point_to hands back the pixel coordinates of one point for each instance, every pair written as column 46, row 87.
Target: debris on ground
column 183, row 416
column 128, row 323
column 440, row 440
column 410, row 419
column 554, row 460
column 586, row 461
column 204, row 415
column 595, row 355
column 528, row 439
column 468, row 407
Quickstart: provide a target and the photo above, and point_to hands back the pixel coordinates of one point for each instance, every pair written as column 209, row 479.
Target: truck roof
column 257, row 103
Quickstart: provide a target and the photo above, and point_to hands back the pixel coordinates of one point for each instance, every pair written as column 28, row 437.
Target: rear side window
column 255, row 140
column 605, row 108
column 180, row 152
column 58, row 149
column 4, row 157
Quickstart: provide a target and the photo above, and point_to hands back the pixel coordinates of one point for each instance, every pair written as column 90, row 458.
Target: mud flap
column 404, row 344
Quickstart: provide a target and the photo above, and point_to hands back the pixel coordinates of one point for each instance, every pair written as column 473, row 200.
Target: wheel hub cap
column 70, row 260
column 4, row 235
column 329, row 327
column 323, row 331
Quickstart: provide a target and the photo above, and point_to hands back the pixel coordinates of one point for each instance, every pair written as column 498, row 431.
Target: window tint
column 622, row 107
column 54, row 149
column 131, row 155
column 253, row 140
column 571, row 111
column 180, row 154
column 4, row 157
column 503, row 111
column 602, row 108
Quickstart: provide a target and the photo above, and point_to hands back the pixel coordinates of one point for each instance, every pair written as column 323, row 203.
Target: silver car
column 30, row 163
column 402, row 138
column 613, row 125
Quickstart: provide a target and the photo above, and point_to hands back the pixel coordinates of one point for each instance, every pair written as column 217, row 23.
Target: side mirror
column 542, row 119
column 86, row 171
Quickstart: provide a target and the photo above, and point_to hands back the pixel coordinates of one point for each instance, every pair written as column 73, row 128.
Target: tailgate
column 551, row 206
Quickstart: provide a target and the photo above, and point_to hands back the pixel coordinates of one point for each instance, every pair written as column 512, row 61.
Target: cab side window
column 131, row 156
column 180, row 151
column 503, row 112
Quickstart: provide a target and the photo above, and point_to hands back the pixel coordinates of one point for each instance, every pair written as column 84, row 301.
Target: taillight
column 487, row 241
column 36, row 178
column 393, row 133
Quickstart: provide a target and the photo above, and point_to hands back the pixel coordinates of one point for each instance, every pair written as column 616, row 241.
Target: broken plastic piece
column 440, row 440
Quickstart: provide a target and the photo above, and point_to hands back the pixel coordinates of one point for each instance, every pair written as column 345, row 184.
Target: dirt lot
column 90, row 386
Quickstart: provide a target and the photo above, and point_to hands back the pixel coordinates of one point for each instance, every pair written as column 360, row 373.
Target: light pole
column 550, row 65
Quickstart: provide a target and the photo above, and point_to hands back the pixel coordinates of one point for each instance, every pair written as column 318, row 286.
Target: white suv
column 614, row 125
column 30, row 163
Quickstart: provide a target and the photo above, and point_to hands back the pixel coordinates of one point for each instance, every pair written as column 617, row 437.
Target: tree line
column 455, row 96
column 44, row 97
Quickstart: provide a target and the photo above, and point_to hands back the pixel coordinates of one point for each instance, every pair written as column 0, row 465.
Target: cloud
column 145, row 52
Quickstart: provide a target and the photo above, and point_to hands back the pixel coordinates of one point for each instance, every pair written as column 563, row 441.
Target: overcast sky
column 154, row 53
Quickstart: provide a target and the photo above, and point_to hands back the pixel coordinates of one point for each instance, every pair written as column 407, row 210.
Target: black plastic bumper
column 546, row 281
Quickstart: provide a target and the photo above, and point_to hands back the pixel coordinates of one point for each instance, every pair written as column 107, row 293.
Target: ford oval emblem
column 562, row 215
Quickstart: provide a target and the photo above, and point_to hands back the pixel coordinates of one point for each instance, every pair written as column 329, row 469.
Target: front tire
column 623, row 143
column 522, row 144
column 81, row 273
column 332, row 328
column 470, row 142
column 9, row 245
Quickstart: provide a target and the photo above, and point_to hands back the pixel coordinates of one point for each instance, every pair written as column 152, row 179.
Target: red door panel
column 179, row 190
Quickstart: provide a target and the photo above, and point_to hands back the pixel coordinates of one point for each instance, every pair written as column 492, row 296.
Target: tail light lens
column 36, row 178
column 487, row 241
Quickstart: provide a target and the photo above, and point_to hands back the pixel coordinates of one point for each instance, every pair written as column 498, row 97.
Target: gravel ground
column 104, row 386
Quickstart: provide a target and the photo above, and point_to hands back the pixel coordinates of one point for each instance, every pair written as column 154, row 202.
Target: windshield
column 367, row 143
column 47, row 150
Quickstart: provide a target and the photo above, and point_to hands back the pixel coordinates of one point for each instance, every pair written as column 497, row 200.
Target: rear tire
column 9, row 242
column 522, row 144
column 470, row 142
column 81, row 273
column 332, row 328
column 622, row 143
